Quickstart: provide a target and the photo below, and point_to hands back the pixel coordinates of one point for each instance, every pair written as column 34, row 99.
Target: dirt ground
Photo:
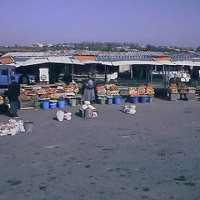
column 152, row 155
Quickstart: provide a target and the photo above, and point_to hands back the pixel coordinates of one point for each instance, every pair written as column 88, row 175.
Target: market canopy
column 166, row 62
column 184, row 62
column 53, row 59
column 91, row 62
column 196, row 63
column 132, row 62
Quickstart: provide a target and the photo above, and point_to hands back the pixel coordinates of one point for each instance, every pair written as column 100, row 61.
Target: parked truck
column 6, row 71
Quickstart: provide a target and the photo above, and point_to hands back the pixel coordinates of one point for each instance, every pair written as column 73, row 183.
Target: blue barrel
column 135, row 100
column 143, row 99
column 61, row 103
column 45, row 104
column 53, row 105
column 109, row 101
column 150, row 99
column 117, row 100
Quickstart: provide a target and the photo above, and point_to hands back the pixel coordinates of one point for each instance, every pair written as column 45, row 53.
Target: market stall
column 50, row 96
column 142, row 93
column 108, row 93
column 3, row 103
column 181, row 91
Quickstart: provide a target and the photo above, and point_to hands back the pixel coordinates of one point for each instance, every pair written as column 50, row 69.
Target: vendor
column 13, row 97
column 89, row 85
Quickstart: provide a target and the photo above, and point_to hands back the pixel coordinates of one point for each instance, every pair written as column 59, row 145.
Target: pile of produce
column 43, row 92
column 173, row 88
column 112, row 90
column 150, row 89
column 1, row 100
column 101, row 90
column 142, row 90
column 133, row 91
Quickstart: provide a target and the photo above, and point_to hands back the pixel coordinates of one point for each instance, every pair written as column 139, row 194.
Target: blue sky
column 156, row 22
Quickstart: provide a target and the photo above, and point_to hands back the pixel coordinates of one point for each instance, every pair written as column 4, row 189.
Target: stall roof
column 184, row 62
column 6, row 60
column 91, row 62
column 25, row 54
column 196, row 63
column 85, row 57
column 137, row 62
column 58, row 59
column 166, row 62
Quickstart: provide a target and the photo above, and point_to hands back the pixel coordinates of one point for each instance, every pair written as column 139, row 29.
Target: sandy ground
column 151, row 155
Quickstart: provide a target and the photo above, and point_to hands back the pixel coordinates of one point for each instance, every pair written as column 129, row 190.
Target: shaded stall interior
column 68, row 72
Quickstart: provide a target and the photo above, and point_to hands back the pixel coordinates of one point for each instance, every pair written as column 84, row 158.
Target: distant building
column 38, row 45
column 48, row 45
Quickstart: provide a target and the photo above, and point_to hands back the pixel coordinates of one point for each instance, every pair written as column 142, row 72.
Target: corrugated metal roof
column 59, row 59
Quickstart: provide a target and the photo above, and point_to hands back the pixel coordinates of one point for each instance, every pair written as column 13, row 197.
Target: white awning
column 165, row 62
column 184, row 62
column 59, row 59
column 91, row 62
column 196, row 64
column 135, row 62
column 109, row 63
column 144, row 62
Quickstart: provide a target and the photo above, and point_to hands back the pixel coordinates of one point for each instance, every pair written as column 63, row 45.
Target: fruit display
column 47, row 91
column 149, row 89
column 50, row 90
column 191, row 90
column 101, row 91
column 41, row 91
column 1, row 100
column 112, row 90
column 173, row 88
column 24, row 97
column 113, row 87
column 141, row 90
column 133, row 91
column 107, row 91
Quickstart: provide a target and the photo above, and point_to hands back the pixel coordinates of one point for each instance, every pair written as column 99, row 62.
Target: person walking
column 13, row 97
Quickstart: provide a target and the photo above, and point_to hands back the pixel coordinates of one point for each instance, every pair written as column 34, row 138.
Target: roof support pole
column 151, row 74
column 72, row 72
column 131, row 70
column 105, row 67
column 165, row 83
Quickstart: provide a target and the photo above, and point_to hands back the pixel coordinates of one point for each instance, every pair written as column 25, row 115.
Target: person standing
column 89, row 94
column 13, row 97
